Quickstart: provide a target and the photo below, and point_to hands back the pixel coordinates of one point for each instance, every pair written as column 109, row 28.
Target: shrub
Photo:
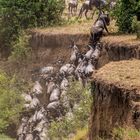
column 4, row 137
column 11, row 102
column 136, row 26
column 69, row 124
column 21, row 48
column 81, row 134
column 124, row 16
column 16, row 15
column 125, row 133
column 124, row 12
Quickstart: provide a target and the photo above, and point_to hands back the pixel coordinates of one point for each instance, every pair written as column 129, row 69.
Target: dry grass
column 81, row 26
column 123, row 73
column 122, row 39
column 127, row 133
column 81, row 134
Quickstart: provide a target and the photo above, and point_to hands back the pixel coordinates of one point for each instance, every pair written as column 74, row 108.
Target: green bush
column 79, row 96
column 136, row 26
column 16, row 15
column 21, row 49
column 4, row 137
column 11, row 102
column 124, row 12
column 127, row 133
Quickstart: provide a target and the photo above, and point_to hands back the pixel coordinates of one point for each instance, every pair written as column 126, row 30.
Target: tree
column 124, row 11
column 16, row 15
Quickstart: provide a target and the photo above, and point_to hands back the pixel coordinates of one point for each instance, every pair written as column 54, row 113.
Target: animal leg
column 86, row 13
column 81, row 12
column 72, row 11
column 69, row 11
column 93, row 14
column 76, row 9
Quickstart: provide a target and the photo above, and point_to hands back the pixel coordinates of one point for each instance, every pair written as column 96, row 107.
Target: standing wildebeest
column 72, row 6
column 89, row 4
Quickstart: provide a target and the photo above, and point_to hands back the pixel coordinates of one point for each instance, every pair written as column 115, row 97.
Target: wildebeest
column 89, row 4
column 37, row 89
column 64, row 84
column 90, row 68
column 89, row 52
column 72, row 7
column 96, row 52
column 34, row 103
column 85, row 8
column 97, row 29
column 50, row 86
column 67, row 69
column 22, row 129
column 55, row 94
column 74, row 54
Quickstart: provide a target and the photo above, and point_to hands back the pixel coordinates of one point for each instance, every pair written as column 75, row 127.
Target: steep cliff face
column 116, row 95
column 116, row 48
column 49, row 46
column 114, row 104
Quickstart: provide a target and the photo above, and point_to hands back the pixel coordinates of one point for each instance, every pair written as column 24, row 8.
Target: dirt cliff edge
column 116, row 95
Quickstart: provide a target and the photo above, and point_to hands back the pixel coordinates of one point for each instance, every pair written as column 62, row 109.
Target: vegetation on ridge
column 11, row 102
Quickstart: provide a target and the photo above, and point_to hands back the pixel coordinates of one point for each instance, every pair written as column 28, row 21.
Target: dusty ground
column 124, row 74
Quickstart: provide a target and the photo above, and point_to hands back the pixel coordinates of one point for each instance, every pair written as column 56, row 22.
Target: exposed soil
column 116, row 86
column 116, row 95
column 124, row 74
column 49, row 45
